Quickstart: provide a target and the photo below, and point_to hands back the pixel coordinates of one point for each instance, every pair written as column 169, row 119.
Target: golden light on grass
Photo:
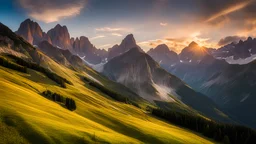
column 97, row 118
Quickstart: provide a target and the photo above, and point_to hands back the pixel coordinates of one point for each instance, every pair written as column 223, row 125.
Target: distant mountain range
column 242, row 52
column 139, row 72
column 158, row 75
column 230, row 86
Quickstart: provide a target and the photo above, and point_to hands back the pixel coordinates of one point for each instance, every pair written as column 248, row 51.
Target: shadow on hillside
column 39, row 77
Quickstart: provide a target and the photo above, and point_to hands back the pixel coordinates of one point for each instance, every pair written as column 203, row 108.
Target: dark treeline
column 68, row 102
column 224, row 133
column 116, row 96
column 8, row 64
column 58, row 79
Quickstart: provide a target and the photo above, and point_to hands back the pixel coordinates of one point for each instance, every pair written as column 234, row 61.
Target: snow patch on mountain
column 244, row 98
column 98, row 67
column 239, row 61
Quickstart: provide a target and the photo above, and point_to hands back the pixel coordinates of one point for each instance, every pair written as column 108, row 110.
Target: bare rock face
column 72, row 40
column 60, row 37
column 127, row 44
column 164, row 56
column 83, row 47
column 32, row 32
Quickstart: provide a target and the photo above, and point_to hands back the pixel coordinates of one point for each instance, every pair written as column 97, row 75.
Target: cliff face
column 127, row 44
column 60, row 37
column 32, row 32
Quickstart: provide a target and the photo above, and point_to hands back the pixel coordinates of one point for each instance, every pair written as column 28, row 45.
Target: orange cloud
column 163, row 24
column 51, row 11
column 105, row 46
column 97, row 37
column 177, row 44
column 108, row 29
column 116, row 34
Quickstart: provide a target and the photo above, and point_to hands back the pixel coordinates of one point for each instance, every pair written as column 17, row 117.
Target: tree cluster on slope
column 225, row 133
column 68, row 102
column 53, row 76
column 8, row 64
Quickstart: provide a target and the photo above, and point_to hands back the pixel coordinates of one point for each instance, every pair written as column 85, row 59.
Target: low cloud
column 177, row 44
column 230, row 39
column 97, row 37
column 105, row 46
column 52, row 10
column 170, row 42
column 108, row 29
column 116, row 34
column 163, row 24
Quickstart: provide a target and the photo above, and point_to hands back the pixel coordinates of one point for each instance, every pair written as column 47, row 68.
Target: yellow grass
column 28, row 117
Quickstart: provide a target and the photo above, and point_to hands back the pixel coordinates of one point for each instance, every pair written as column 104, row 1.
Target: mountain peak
column 192, row 44
column 241, row 41
column 130, row 38
column 84, row 38
column 28, row 20
column 32, row 32
column 162, row 47
column 129, row 35
column 127, row 43
column 60, row 36
column 58, row 25
column 249, row 39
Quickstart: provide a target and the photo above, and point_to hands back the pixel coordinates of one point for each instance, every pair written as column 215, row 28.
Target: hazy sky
column 174, row 22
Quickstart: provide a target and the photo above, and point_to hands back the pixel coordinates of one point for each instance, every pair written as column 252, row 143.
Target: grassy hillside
column 28, row 117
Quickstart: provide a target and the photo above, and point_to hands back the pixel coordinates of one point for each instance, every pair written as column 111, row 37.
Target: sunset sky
column 173, row 22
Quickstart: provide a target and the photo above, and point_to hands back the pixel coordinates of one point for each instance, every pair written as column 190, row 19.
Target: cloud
column 116, row 34
column 230, row 13
column 174, row 44
column 163, row 24
column 97, row 37
column 105, row 46
column 230, row 39
column 52, row 10
column 228, row 10
column 177, row 44
column 108, row 29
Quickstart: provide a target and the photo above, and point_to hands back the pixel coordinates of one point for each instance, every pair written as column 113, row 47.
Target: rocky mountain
column 237, row 53
column 127, row 44
column 193, row 53
column 64, row 57
column 83, row 47
column 164, row 56
column 60, row 37
column 32, row 32
column 230, row 86
column 234, row 89
column 139, row 72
